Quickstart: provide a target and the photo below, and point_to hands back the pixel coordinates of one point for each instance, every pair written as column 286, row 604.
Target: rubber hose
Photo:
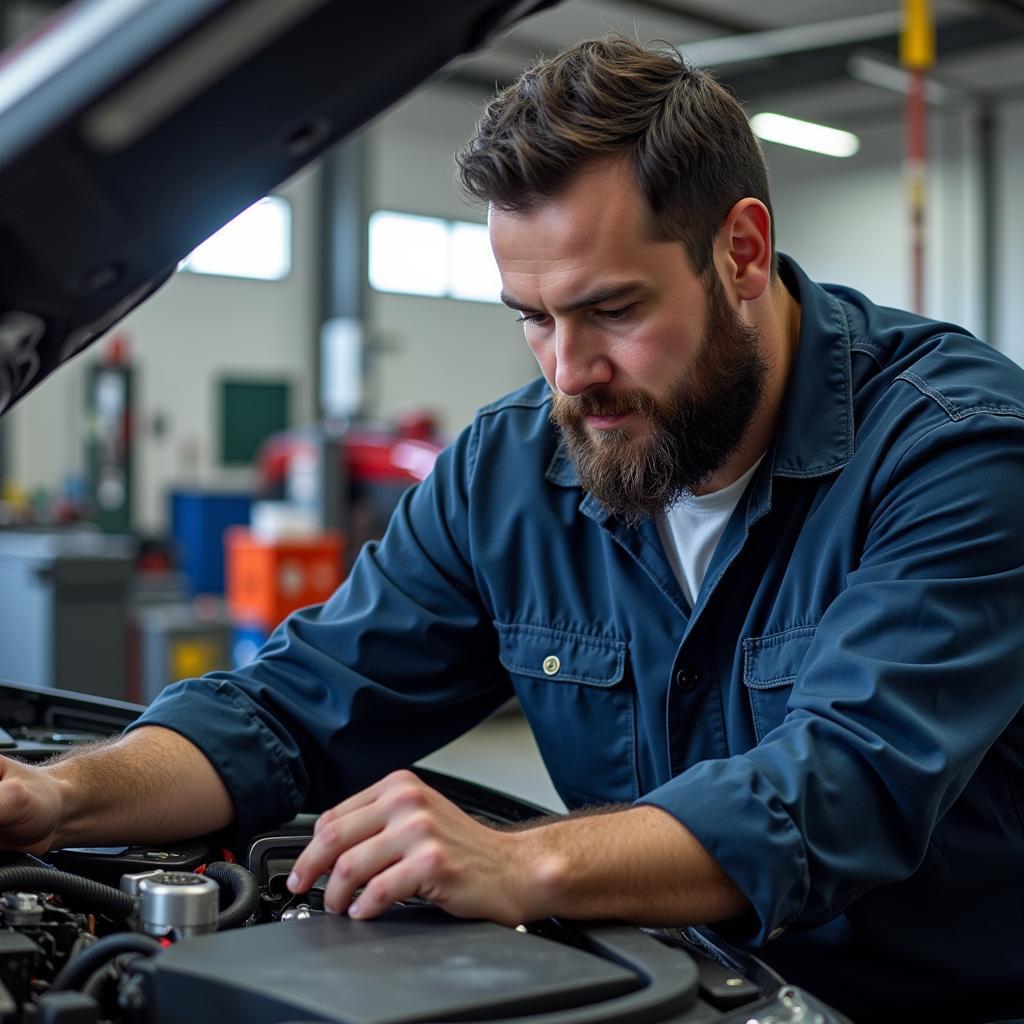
column 242, row 886
column 94, row 985
column 82, row 892
column 76, row 972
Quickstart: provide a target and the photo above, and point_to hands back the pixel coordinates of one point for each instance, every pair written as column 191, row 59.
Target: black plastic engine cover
column 415, row 964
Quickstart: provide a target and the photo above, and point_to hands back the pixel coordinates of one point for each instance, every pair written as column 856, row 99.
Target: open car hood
column 131, row 130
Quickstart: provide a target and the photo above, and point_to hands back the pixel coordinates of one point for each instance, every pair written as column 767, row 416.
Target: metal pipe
column 782, row 41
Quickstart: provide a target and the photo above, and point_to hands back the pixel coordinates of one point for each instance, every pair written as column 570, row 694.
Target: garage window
column 256, row 244
column 414, row 255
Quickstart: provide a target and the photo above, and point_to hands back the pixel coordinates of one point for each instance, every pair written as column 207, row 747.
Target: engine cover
column 412, row 964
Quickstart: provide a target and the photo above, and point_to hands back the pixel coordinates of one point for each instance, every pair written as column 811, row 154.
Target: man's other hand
column 398, row 839
column 31, row 807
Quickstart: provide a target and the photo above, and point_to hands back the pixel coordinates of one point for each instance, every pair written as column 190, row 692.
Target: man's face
column 655, row 378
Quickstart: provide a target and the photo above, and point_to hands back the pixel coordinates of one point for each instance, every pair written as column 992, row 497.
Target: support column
column 340, row 360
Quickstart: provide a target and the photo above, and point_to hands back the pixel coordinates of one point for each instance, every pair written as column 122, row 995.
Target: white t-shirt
column 691, row 529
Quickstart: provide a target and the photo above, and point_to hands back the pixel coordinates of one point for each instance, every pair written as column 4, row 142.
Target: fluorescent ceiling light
column 817, row 138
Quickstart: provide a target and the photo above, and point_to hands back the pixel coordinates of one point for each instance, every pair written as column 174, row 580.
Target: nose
column 580, row 359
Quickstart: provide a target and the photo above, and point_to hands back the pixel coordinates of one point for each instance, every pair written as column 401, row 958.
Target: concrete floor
column 502, row 754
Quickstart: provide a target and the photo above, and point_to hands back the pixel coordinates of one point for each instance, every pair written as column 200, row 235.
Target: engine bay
column 197, row 931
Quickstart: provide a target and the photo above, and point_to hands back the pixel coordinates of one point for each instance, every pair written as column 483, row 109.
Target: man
column 749, row 555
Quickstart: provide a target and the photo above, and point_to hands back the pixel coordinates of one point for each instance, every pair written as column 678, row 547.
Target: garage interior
column 219, row 459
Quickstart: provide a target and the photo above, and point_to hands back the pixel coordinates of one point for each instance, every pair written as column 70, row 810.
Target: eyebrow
column 595, row 298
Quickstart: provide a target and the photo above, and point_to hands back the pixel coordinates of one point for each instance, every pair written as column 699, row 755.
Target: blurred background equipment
column 64, row 599
column 110, row 429
column 178, row 641
column 198, row 521
column 352, row 480
column 273, row 572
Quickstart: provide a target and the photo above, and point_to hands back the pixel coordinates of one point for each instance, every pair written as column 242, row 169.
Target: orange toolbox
column 267, row 580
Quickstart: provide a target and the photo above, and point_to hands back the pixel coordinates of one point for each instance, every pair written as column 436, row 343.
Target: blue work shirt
column 837, row 719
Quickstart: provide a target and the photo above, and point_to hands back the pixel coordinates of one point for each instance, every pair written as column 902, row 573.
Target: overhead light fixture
column 817, row 138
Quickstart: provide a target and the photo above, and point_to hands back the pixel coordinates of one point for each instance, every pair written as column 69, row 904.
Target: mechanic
column 749, row 554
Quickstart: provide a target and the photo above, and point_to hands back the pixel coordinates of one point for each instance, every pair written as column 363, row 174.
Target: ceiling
column 799, row 54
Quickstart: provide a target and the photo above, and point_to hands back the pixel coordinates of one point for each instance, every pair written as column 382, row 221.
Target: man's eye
column 532, row 318
column 614, row 314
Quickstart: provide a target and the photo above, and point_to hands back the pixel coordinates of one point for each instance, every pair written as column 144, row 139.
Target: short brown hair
column 692, row 150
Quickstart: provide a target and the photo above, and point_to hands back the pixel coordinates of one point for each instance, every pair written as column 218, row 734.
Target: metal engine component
column 22, row 909
column 792, row 1006
column 36, row 940
column 178, row 904
column 130, row 883
column 300, row 912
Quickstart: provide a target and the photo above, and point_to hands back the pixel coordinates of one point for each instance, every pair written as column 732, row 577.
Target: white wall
column 447, row 355
column 847, row 221
column 194, row 331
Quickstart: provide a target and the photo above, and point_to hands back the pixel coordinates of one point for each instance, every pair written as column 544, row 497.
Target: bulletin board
column 250, row 411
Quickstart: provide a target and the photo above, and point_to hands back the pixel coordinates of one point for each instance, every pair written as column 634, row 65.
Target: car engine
column 199, row 932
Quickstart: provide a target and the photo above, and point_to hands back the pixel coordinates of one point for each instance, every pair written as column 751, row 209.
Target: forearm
column 638, row 864
column 151, row 785
column 400, row 838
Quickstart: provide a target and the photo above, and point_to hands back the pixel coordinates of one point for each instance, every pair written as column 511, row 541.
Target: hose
column 76, row 972
column 97, row 984
column 79, row 892
column 94, row 985
column 243, row 887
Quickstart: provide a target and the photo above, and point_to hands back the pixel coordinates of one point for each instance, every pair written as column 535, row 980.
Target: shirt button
column 551, row 665
column 687, row 678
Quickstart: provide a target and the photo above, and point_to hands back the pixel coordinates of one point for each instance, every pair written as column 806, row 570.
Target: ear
column 743, row 249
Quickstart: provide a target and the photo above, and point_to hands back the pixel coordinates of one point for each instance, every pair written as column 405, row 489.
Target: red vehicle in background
column 374, row 466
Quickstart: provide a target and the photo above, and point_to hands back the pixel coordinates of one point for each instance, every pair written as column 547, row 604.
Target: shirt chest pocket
column 770, row 667
column 575, row 692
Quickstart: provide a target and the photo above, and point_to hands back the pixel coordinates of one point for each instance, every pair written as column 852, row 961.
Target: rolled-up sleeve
column 914, row 671
column 399, row 661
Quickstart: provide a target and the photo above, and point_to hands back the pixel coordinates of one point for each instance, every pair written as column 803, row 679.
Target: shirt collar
column 561, row 469
column 815, row 433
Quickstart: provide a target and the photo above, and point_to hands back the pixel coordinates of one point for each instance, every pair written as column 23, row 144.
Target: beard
column 691, row 433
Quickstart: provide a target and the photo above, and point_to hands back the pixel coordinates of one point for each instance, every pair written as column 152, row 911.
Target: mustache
column 598, row 402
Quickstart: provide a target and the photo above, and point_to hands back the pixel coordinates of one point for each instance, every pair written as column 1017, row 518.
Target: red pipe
column 916, row 165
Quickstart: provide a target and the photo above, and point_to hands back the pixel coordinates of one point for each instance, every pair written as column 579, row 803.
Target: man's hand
column 399, row 839
column 31, row 807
